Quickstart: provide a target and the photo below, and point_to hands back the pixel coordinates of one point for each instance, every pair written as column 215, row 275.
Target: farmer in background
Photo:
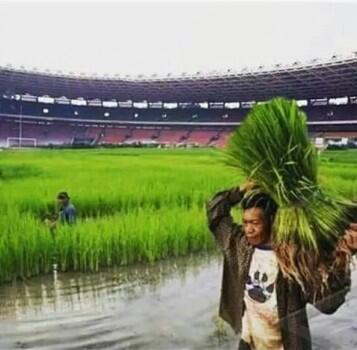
column 263, row 294
column 67, row 212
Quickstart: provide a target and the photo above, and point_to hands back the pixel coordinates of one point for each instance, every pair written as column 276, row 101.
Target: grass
column 134, row 205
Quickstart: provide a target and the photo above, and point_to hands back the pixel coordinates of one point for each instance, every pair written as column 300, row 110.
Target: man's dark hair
column 263, row 201
column 63, row 195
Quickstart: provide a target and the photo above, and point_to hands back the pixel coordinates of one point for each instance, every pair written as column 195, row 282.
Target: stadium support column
column 20, row 126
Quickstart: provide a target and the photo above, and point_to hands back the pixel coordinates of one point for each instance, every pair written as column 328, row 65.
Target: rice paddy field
column 134, row 205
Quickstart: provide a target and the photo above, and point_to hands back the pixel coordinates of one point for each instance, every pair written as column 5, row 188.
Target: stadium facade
column 43, row 108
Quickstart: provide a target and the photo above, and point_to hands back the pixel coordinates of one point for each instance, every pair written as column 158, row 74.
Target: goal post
column 18, row 142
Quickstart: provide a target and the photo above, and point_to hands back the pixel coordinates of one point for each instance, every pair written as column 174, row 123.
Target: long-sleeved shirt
column 291, row 301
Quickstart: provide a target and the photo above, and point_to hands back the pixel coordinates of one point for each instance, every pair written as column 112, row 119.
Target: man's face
column 62, row 202
column 255, row 226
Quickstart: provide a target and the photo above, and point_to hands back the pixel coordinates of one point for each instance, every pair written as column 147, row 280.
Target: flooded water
column 167, row 305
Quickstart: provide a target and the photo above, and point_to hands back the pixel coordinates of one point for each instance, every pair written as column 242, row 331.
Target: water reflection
column 167, row 305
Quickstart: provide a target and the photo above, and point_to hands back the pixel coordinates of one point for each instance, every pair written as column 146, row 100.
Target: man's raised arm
column 220, row 220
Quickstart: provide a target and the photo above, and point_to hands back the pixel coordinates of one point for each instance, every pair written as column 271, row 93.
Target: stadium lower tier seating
column 43, row 134
column 62, row 133
column 54, row 131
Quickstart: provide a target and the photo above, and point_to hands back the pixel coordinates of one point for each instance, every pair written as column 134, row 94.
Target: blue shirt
column 68, row 214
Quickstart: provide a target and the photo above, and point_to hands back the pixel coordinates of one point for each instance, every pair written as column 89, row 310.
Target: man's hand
column 236, row 193
column 50, row 223
column 349, row 240
column 247, row 186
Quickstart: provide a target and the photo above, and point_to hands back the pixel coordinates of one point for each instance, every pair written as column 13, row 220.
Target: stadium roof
column 316, row 79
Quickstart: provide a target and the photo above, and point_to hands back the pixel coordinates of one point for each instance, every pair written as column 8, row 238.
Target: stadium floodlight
column 232, row 105
column 319, row 101
column 46, row 99
column 63, row 100
column 204, row 105
column 126, row 104
column 110, row 104
column 155, row 104
column 143, row 104
column 338, row 101
column 353, row 100
column 170, row 105
column 302, row 103
column 28, row 98
column 184, row 105
column 79, row 102
column 216, row 105
column 96, row 102
column 248, row 104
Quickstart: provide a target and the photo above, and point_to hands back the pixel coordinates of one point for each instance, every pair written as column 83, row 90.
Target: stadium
column 55, row 109
column 130, row 201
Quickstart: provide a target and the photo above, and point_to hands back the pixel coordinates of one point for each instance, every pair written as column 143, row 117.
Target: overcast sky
column 146, row 38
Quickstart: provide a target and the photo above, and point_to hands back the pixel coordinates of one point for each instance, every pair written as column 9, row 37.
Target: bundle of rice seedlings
column 272, row 147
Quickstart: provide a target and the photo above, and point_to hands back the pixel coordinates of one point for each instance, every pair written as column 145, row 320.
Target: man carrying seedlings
column 259, row 297
column 67, row 212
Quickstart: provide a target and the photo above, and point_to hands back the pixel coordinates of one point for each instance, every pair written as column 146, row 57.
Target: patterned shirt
column 260, row 324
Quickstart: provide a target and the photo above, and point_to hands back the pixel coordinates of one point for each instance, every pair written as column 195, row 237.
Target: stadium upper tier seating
column 66, row 124
column 315, row 113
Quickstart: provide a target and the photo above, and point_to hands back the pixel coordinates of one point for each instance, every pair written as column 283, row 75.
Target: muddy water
column 167, row 305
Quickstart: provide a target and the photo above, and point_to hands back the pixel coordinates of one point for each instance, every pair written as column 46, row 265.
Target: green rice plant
column 109, row 181
column 28, row 248
column 134, row 205
column 272, row 147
